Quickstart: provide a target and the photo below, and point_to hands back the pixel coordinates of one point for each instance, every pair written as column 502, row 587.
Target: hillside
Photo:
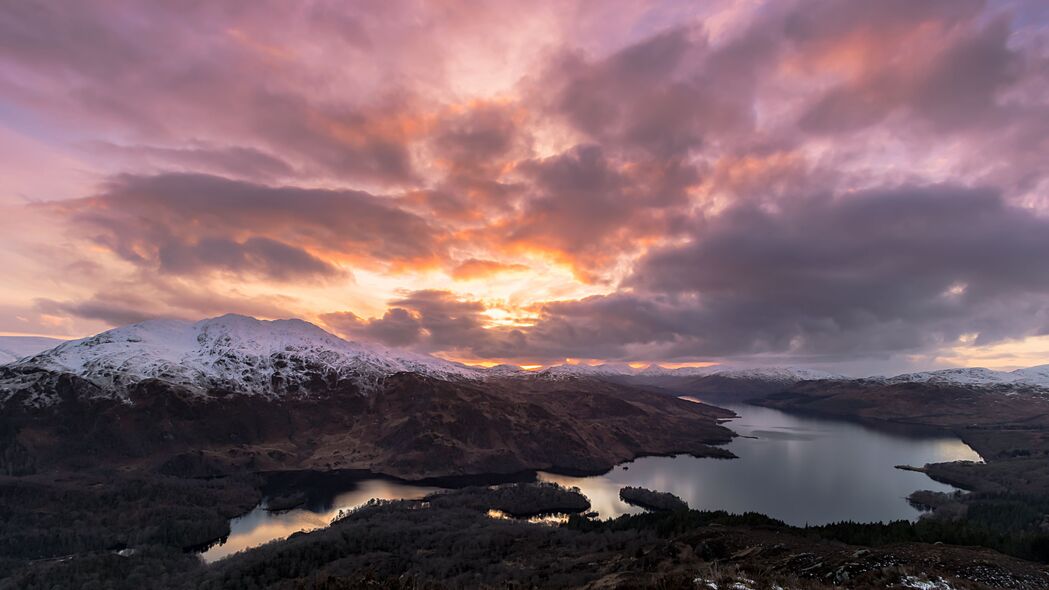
column 237, row 395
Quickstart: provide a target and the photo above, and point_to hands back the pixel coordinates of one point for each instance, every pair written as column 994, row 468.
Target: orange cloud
column 474, row 269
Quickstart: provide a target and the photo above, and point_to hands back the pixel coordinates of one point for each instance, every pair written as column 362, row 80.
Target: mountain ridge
column 230, row 352
column 293, row 357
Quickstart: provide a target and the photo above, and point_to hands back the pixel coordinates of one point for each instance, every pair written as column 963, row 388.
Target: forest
column 448, row 540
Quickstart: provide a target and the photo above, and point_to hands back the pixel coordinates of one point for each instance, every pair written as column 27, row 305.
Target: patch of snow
column 738, row 584
column 925, row 584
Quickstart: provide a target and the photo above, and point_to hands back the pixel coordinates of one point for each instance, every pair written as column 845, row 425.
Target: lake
column 799, row 469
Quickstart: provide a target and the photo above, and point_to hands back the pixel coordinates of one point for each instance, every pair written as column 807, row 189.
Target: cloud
column 255, row 256
column 117, row 311
column 587, row 210
column 902, row 270
column 186, row 224
column 952, row 85
column 651, row 96
column 127, row 301
column 884, row 271
column 427, row 320
column 636, row 180
column 236, row 161
column 474, row 269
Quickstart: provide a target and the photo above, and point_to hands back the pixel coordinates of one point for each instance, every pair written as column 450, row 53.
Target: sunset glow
column 861, row 187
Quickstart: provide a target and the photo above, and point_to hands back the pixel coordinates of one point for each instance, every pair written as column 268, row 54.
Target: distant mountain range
column 274, row 359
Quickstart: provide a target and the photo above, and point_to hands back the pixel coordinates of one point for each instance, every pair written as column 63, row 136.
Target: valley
column 127, row 454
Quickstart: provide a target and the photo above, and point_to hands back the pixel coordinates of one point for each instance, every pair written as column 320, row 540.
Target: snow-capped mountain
column 655, row 370
column 772, row 374
column 234, row 353
column 504, row 370
column 1031, row 377
column 13, row 348
column 778, row 374
column 581, row 370
column 292, row 357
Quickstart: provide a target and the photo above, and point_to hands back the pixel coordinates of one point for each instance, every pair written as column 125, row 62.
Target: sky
column 855, row 186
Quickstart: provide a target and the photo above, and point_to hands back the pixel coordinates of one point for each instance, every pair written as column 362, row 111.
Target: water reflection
column 262, row 526
column 794, row 468
column 550, row 519
column 798, row 469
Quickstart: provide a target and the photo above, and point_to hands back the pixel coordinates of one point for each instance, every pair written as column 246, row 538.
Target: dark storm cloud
column 729, row 161
column 117, row 311
column 953, row 89
column 480, row 136
column 257, row 255
column 184, row 224
column 177, row 74
column 397, row 327
column 651, row 96
column 585, row 209
column 906, row 269
column 428, row 320
column 125, row 302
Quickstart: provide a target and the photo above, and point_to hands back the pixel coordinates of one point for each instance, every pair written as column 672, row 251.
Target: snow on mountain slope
column 233, row 352
column 13, row 348
column 964, row 376
column 1036, row 377
column 655, row 370
column 772, row 374
column 504, row 370
column 294, row 357
column 581, row 370
column 778, row 374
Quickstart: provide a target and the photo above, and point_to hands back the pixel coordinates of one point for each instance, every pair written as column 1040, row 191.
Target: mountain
column 229, row 353
column 581, row 370
column 738, row 383
column 281, row 358
column 289, row 358
column 13, row 348
column 236, row 394
column 655, row 370
column 725, row 383
column 1029, row 378
column 781, row 374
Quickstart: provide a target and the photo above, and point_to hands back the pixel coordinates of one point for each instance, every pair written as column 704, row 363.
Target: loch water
column 798, row 469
